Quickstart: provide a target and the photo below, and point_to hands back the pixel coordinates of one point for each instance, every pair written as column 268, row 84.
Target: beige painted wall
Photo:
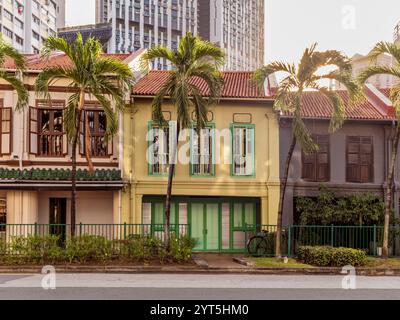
column 264, row 185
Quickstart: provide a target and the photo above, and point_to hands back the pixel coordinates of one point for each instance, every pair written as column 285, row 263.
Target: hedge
column 332, row 257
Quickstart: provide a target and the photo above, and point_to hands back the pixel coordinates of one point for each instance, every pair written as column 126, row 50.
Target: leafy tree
column 194, row 58
column 105, row 78
column 289, row 99
column 14, row 78
column 394, row 71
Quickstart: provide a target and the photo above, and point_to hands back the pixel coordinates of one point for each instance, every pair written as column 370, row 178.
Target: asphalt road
column 196, row 287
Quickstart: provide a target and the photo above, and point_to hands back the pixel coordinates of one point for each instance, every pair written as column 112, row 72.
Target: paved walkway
column 215, row 260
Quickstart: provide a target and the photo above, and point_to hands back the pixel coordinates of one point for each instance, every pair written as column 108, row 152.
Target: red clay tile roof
column 237, row 85
column 36, row 63
column 316, row 105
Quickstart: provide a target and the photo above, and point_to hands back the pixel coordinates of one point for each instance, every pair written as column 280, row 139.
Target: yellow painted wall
column 265, row 184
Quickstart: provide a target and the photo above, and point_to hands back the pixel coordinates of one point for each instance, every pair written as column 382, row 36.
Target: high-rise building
column 27, row 24
column 237, row 26
column 147, row 23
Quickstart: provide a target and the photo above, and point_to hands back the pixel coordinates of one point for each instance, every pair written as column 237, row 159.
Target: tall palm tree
column 394, row 71
column 105, row 78
column 8, row 52
column 289, row 98
column 194, row 58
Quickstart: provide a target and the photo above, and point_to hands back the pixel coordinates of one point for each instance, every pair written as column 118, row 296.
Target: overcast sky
column 352, row 26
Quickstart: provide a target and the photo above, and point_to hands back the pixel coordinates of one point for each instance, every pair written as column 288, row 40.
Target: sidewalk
column 204, row 264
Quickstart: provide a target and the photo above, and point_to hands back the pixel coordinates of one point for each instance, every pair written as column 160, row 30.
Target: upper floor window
column 47, row 137
column 160, row 140
column 316, row 166
column 5, row 129
column 96, row 120
column 243, row 150
column 360, row 159
column 202, row 152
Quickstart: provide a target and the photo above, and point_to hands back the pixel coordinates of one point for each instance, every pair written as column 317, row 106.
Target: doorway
column 58, row 217
column 204, row 224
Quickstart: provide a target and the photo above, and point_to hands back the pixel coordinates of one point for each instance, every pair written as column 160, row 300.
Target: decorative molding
column 242, row 118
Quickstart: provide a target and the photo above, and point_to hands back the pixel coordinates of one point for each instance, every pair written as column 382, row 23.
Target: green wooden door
column 205, row 219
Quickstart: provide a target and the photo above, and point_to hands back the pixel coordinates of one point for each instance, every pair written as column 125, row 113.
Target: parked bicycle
column 261, row 244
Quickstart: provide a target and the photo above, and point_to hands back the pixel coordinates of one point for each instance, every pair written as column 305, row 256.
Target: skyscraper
column 237, row 26
column 147, row 23
column 26, row 24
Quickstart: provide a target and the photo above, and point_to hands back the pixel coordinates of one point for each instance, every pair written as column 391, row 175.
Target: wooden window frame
column 316, row 164
column 52, row 106
column 3, row 110
column 371, row 165
column 93, row 107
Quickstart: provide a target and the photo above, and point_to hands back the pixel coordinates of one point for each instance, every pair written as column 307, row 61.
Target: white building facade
column 27, row 24
column 147, row 23
column 237, row 26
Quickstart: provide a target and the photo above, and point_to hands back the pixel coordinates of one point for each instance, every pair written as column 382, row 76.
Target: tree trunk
column 88, row 147
column 171, row 174
column 73, row 173
column 278, row 245
column 389, row 194
column 73, row 176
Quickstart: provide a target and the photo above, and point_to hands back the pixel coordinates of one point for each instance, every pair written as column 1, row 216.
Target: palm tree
column 289, row 98
column 7, row 51
column 105, row 78
column 394, row 71
column 194, row 58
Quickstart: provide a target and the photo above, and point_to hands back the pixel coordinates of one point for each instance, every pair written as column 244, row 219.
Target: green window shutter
column 249, row 151
column 238, row 215
column 249, row 214
column 172, row 140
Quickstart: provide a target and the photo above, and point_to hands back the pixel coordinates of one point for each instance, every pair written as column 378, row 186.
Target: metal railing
column 108, row 231
column 368, row 238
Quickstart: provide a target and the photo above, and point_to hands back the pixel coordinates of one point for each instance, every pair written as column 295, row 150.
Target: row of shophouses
column 217, row 199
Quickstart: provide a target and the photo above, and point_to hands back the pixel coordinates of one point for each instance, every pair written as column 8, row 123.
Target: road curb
column 197, row 270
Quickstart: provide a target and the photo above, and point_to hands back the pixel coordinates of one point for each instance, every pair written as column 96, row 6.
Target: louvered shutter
column 172, row 141
column 82, row 133
column 33, row 130
column 353, row 159
column 6, row 131
column 249, row 151
column 309, row 166
column 65, row 137
column 207, row 151
column 322, row 159
column 195, row 151
column 237, row 152
column 366, row 160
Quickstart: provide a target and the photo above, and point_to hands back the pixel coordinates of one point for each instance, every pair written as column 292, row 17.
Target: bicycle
column 261, row 244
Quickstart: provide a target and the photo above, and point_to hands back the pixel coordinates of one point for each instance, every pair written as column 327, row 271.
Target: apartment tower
column 27, row 24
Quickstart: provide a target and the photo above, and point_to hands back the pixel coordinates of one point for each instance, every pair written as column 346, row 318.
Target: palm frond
column 7, row 50
column 374, row 70
column 19, row 87
column 263, row 73
column 385, row 47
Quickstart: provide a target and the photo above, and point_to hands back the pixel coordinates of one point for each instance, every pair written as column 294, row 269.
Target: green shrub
column 330, row 209
column 332, row 257
column 88, row 248
column 37, row 249
column 141, row 248
column 182, row 248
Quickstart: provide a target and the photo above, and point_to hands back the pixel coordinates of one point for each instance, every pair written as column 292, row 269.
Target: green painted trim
column 233, row 126
column 150, row 125
column 212, row 175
